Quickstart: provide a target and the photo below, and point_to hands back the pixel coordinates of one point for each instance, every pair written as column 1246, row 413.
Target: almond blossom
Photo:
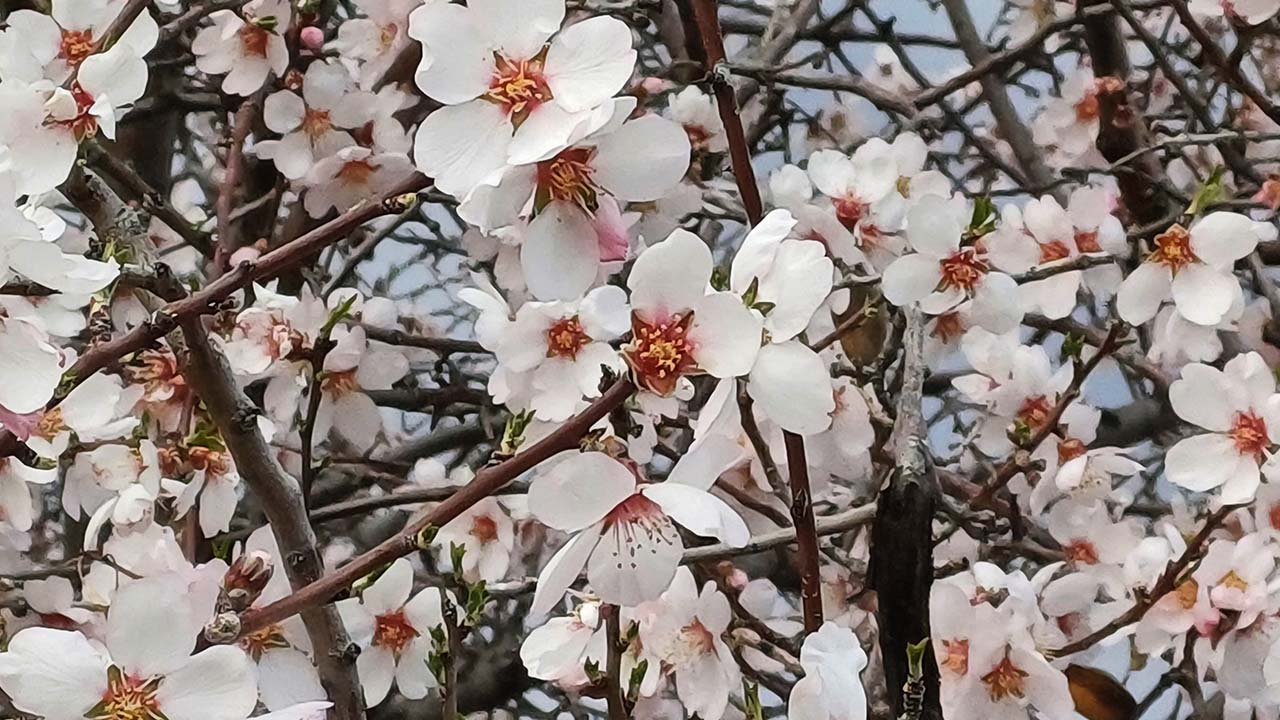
column 831, row 688
column 394, row 633
column 1193, row 266
column 36, row 46
column 624, row 530
column 312, row 124
column 135, row 672
column 515, row 90
column 1239, row 407
column 247, row 47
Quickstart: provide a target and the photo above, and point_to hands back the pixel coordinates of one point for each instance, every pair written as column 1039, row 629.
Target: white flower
column 281, row 652
column 552, row 353
column 1194, row 266
column 989, row 666
column 25, row 353
column 678, row 328
column 575, row 198
column 350, row 175
column 486, row 534
column 377, row 38
column 554, row 650
column 1237, row 574
column 684, row 630
column 43, row 125
column 1239, row 407
column 394, row 634
column 248, row 48
column 35, row 46
column 941, row 274
column 143, row 669
column 791, row 279
column 313, row 124
column 697, row 113
column 624, row 531
column 831, row 688
column 510, row 96
column 91, row 410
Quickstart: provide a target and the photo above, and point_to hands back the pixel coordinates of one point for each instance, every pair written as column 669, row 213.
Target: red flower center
column 484, row 529
column 76, row 45
column 567, row 177
column 956, row 658
column 1054, row 250
column 1005, row 680
column 1173, row 249
column 316, row 123
column 948, row 327
column 518, row 86
column 565, row 338
column 659, row 353
column 356, row 172
column 963, row 269
column 1082, row 552
column 1070, row 449
column 1087, row 241
column 85, row 123
column 254, row 39
column 127, row 698
column 1035, row 411
column 258, row 642
column 1249, row 433
column 850, row 211
column 393, row 631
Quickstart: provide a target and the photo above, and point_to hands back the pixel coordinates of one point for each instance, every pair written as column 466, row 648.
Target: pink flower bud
column 249, row 253
column 312, row 38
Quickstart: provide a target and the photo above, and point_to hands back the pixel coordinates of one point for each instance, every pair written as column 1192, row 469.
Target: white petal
column 457, row 57
column 699, row 512
column 1201, row 396
column 725, row 334
column 216, row 684
column 635, row 561
column 377, row 669
column 1142, row 292
column 910, row 278
column 588, row 62
column 286, row 677
column 755, row 258
column 791, row 385
column 1204, row 295
column 462, row 146
column 642, row 176
column 563, row 569
column 519, row 27
column 580, row 490
column 136, row 611
column 560, row 255
column 798, row 285
column 1221, row 238
column 53, row 673
column 671, row 276
column 283, row 111
column 391, row 590
column 1201, row 463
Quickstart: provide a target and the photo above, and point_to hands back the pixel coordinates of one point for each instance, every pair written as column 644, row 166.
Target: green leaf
column 340, row 313
column 1210, row 192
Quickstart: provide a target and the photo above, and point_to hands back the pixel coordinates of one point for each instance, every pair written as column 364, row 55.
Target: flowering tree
column 639, row 358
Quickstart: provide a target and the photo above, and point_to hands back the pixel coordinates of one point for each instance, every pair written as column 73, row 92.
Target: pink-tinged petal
column 642, row 160
column 589, row 61
column 580, row 490
column 610, row 229
column 462, row 146
column 55, row 674
column 636, row 557
column 1204, row 295
column 1142, row 292
column 391, row 590
column 561, row 254
column 563, row 569
column 791, row 386
column 377, row 668
column 910, row 279
column 21, row 425
column 457, row 56
column 1201, row 463
column 699, row 512
column 1221, row 238
column 726, row 335
column 216, row 684
column 671, row 276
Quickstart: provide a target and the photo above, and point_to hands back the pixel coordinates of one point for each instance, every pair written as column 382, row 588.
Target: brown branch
column 1229, row 72
column 806, row 533
column 1012, row 128
column 614, row 692
column 828, row 81
column 1015, row 464
column 484, row 484
column 211, row 296
column 281, row 499
column 1165, row 584
column 234, row 168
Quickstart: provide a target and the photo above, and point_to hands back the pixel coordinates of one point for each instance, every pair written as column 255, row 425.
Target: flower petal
column 580, row 490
